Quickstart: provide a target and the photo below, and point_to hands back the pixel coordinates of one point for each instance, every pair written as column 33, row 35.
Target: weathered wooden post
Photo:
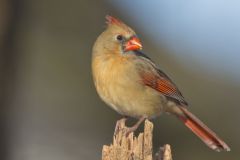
column 130, row 147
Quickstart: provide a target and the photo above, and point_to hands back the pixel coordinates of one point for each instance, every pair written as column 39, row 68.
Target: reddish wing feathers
column 164, row 86
column 159, row 81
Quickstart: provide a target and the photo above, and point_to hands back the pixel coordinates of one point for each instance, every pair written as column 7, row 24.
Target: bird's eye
column 119, row 37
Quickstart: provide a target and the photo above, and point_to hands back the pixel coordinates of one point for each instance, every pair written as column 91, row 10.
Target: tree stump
column 130, row 147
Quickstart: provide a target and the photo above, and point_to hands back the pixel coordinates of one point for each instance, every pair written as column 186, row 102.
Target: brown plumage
column 129, row 82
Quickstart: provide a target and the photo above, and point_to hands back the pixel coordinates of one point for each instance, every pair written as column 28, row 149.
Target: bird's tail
column 202, row 131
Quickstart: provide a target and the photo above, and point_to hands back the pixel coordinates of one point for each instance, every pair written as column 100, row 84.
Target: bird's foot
column 135, row 126
column 127, row 130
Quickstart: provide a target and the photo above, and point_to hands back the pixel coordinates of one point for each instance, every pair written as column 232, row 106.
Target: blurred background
column 49, row 106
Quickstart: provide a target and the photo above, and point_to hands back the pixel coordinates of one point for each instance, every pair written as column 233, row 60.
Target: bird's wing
column 158, row 80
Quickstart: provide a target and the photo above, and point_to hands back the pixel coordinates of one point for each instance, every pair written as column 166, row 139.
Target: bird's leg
column 117, row 127
column 135, row 126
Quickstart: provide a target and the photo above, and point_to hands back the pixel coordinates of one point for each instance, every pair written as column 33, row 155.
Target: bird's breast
column 119, row 84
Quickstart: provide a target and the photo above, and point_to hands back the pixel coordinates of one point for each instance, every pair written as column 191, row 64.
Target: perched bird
column 130, row 82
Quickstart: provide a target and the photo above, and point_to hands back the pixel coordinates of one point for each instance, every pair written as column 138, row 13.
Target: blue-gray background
column 50, row 109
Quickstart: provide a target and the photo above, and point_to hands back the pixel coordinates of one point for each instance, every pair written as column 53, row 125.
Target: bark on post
column 131, row 147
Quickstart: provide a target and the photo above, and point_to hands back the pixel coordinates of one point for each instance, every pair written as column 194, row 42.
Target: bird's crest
column 111, row 20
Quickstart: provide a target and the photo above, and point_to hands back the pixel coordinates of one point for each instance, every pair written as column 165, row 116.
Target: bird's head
column 118, row 38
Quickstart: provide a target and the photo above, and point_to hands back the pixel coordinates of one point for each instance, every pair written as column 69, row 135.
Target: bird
column 129, row 82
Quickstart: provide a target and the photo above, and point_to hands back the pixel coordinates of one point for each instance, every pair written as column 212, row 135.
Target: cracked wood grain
column 130, row 147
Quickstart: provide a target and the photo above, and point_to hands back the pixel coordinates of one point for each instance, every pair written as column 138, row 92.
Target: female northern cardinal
column 128, row 81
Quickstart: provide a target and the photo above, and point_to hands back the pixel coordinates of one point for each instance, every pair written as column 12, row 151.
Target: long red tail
column 202, row 131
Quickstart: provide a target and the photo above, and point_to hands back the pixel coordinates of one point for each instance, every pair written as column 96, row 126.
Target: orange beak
column 133, row 44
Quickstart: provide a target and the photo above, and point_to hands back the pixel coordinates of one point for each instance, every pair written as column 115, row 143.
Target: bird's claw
column 125, row 130
column 120, row 126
